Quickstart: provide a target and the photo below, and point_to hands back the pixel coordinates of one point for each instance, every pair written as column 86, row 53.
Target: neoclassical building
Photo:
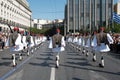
column 87, row 14
column 14, row 12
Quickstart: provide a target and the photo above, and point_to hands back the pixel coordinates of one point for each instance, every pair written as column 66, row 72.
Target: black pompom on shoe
column 100, row 65
column 94, row 60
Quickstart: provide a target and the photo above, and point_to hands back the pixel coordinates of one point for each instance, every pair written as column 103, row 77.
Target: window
column 109, row 5
column 98, row 5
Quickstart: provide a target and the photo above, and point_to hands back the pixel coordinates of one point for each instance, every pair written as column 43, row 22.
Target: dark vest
column 28, row 39
column 56, row 40
column 12, row 38
column 102, row 38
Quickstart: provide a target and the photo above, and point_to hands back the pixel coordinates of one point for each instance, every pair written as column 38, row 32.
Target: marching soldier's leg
column 76, row 46
column 24, row 49
column 14, row 63
column 32, row 50
column 12, row 57
column 35, row 48
column 94, row 56
column 39, row 45
column 58, row 56
column 57, row 60
column 101, row 64
column 87, row 53
column 20, row 56
column 79, row 48
column 28, row 52
column 73, row 45
column 83, row 50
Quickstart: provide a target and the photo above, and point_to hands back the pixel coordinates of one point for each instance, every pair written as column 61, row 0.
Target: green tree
column 115, row 28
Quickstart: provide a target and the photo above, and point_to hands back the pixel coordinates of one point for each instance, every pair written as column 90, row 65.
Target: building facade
column 42, row 24
column 16, row 13
column 117, row 8
column 87, row 15
column 38, row 23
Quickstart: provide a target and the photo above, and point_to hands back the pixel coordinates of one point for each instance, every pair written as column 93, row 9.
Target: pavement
column 73, row 66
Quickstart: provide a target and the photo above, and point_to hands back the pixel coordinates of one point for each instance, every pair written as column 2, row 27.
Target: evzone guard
column 98, row 42
column 87, row 43
column 94, row 45
column 57, row 44
column 24, row 41
column 28, row 40
column 15, row 43
column 32, row 44
column 102, row 39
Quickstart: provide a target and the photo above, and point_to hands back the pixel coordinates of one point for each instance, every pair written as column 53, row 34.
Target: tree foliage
column 46, row 31
column 115, row 28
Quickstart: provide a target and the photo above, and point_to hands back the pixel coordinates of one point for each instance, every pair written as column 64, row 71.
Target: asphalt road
column 73, row 66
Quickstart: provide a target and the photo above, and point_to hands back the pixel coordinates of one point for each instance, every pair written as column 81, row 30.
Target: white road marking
column 52, row 76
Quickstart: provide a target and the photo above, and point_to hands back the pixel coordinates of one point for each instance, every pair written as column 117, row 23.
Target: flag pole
column 112, row 14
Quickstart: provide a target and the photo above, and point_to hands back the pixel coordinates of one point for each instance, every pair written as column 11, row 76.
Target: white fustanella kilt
column 58, row 49
column 79, row 41
column 50, row 44
column 19, row 45
column 88, row 43
column 75, row 40
column 94, row 42
column 102, row 48
column 32, row 44
column 7, row 42
column 24, row 41
column 69, row 39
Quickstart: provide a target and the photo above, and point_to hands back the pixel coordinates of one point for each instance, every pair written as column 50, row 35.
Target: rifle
column 10, row 28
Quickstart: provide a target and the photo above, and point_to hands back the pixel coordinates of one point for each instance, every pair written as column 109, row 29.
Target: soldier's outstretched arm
column 110, row 40
column 10, row 28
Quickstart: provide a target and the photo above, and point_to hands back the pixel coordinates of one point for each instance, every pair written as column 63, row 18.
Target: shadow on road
column 108, row 72
column 6, row 59
column 79, row 63
column 77, row 58
column 44, row 54
column 5, row 63
column 72, row 54
column 44, row 64
column 76, row 79
column 48, row 58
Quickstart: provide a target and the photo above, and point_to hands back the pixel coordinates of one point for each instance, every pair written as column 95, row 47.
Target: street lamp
column 30, row 24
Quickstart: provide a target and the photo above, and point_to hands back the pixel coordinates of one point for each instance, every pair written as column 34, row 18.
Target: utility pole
column 112, row 13
column 30, row 24
column 101, row 22
column 68, row 24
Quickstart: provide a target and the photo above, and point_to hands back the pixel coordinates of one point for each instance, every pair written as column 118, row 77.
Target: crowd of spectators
column 3, row 39
column 115, row 47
